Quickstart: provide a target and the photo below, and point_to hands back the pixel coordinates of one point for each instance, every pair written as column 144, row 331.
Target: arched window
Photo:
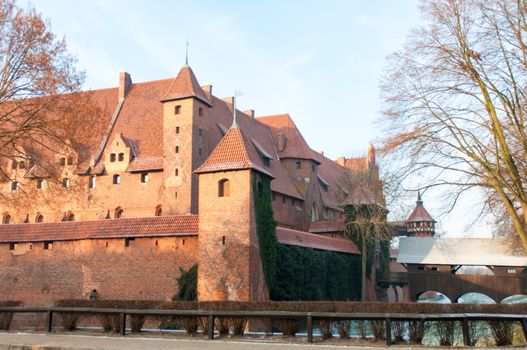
column 92, row 181
column 39, row 218
column 159, row 211
column 6, row 218
column 116, row 179
column 69, row 216
column 119, row 213
column 314, row 213
column 66, row 183
column 224, row 188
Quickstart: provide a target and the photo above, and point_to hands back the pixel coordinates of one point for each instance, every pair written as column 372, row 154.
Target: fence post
column 49, row 321
column 388, row 327
column 466, row 335
column 309, row 329
column 122, row 323
column 211, row 326
column 524, row 327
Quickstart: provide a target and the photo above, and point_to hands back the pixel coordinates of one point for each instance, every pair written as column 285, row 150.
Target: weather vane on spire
column 234, row 118
column 186, row 52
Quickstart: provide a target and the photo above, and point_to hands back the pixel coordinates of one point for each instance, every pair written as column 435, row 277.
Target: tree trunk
column 364, row 258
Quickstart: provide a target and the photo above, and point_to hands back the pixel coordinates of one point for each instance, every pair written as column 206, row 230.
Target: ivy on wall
column 187, row 285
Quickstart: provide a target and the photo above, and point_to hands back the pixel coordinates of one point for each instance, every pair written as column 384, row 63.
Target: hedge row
column 314, row 306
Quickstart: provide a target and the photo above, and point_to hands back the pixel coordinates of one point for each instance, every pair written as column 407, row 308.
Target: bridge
column 454, row 267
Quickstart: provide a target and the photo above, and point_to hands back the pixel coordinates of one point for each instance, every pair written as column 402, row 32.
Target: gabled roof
column 461, row 251
column 234, row 152
column 309, row 240
column 157, row 226
column 185, row 85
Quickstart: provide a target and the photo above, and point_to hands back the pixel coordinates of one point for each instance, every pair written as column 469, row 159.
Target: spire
column 186, row 53
column 234, row 119
column 419, row 201
column 184, row 86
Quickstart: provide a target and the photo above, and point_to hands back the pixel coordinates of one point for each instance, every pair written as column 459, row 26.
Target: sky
column 319, row 61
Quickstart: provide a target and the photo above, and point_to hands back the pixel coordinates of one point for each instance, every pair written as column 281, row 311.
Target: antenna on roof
column 234, row 118
column 186, row 52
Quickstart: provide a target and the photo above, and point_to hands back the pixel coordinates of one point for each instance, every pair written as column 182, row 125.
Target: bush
column 398, row 330
column 360, row 326
column 288, row 326
column 377, row 328
column 222, row 325
column 187, row 284
column 7, row 317
column 502, row 332
column 446, row 332
column 343, row 328
column 325, row 328
column 237, row 325
column 416, row 331
column 69, row 321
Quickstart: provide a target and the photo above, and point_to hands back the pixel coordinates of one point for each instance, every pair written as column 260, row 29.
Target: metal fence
column 309, row 317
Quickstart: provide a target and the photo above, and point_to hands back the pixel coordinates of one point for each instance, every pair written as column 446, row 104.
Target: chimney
column 280, row 143
column 250, row 113
column 207, row 89
column 229, row 101
column 371, row 153
column 341, row 160
column 322, row 153
column 125, row 83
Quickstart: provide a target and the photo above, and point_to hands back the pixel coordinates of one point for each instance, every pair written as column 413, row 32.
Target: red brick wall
column 71, row 269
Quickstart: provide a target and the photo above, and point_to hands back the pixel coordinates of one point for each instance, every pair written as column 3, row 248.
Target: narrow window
column 106, row 244
column 177, row 149
column 48, row 245
column 177, row 129
column 298, row 165
column 119, row 213
column 177, row 109
column 283, row 200
column 14, row 186
column 6, row 219
column 112, row 157
column 121, row 157
column 91, row 182
column 66, row 183
column 223, row 188
column 157, row 243
column 144, row 178
column 312, row 167
column 40, row 184
column 62, row 161
column 116, row 179
column 175, row 194
column 199, row 151
column 200, row 131
column 200, row 112
column 12, row 246
column 69, row 217
column 177, row 172
column 223, row 240
column 127, row 241
column 70, row 160
column 159, row 211
column 39, row 218
column 266, row 161
column 13, row 165
column 183, row 243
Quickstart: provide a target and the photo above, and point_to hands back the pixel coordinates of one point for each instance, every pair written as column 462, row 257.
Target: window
column 14, row 186
column 200, row 132
column 39, row 218
column 314, row 213
column 119, row 213
column 177, row 149
column 223, row 240
column 177, row 109
column 69, row 216
column 223, row 188
column 200, row 112
column 66, row 183
column 127, row 241
column 298, row 165
column 121, row 157
column 91, row 182
column 159, row 211
column 266, row 161
column 12, row 246
column 6, row 219
column 21, row 165
column 112, row 157
column 48, row 245
column 116, row 179
column 511, row 271
column 312, row 167
column 13, row 165
column 177, row 129
column 176, row 172
column 62, row 161
column 199, row 151
column 40, row 184
column 144, row 178
column 70, row 160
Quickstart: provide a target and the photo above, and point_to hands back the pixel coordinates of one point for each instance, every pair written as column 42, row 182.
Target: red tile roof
column 420, row 214
column 326, row 226
column 309, row 240
column 158, row 226
column 185, row 85
column 234, row 152
column 146, row 163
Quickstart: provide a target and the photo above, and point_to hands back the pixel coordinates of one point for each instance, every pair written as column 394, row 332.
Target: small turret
column 420, row 223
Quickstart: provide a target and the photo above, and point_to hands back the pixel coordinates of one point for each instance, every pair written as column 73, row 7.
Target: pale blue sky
column 320, row 61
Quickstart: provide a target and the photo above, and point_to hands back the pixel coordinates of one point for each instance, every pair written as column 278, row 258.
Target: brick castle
column 169, row 184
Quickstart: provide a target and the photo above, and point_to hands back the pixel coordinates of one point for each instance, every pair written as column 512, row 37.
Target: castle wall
column 146, row 269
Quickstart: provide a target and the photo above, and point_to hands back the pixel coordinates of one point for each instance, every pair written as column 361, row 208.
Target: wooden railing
column 308, row 316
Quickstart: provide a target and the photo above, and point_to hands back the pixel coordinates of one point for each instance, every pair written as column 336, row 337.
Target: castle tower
column 420, row 223
column 185, row 109
column 229, row 259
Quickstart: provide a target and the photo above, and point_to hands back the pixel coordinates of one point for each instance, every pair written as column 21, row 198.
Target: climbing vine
column 187, row 285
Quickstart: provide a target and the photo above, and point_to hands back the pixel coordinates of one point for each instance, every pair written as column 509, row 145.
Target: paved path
column 35, row 341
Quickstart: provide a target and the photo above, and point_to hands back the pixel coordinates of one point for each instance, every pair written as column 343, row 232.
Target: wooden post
column 388, row 327
column 524, row 326
column 211, row 326
column 309, row 329
column 122, row 324
column 466, row 335
column 49, row 321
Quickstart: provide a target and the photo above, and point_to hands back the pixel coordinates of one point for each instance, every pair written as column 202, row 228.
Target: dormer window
column 39, row 218
column 121, row 157
column 144, row 178
column 6, row 219
column 66, row 183
column 69, row 216
column 116, row 179
column 91, row 182
column 177, row 109
column 266, row 161
column 159, row 211
column 40, row 184
column 119, row 213
column 14, row 186
column 62, row 161
column 112, row 157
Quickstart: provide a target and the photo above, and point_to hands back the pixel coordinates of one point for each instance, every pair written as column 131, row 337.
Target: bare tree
column 42, row 116
column 455, row 101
